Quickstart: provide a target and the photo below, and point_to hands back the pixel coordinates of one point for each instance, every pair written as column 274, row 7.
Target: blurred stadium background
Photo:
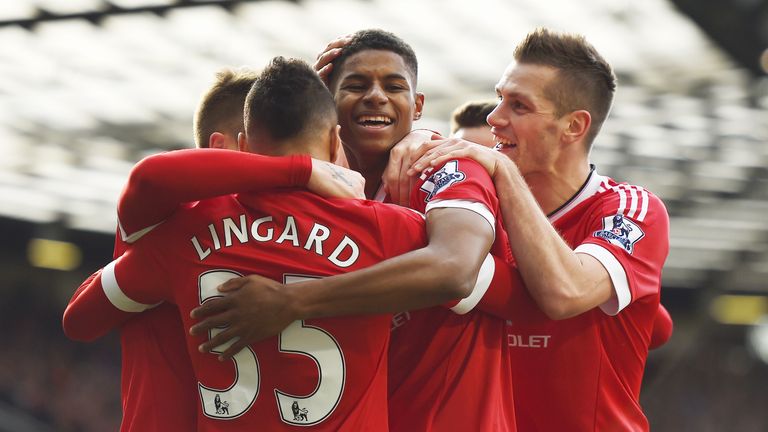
column 88, row 87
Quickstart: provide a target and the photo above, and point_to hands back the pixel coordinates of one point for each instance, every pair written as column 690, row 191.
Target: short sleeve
column 629, row 235
column 136, row 280
column 459, row 183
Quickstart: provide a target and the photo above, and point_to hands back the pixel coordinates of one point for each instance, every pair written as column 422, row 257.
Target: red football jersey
column 584, row 373
column 328, row 373
column 155, row 368
column 449, row 370
column 155, row 364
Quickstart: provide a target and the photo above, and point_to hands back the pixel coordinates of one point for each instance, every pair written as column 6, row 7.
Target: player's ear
column 217, row 140
column 419, row 100
column 578, row 125
column 242, row 143
column 335, row 142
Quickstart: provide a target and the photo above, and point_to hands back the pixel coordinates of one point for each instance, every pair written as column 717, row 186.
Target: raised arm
column 159, row 184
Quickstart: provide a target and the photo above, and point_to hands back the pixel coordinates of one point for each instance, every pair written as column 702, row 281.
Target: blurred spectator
column 67, row 386
column 468, row 122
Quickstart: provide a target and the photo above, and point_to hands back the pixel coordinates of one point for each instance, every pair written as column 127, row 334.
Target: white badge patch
column 442, row 179
column 620, row 231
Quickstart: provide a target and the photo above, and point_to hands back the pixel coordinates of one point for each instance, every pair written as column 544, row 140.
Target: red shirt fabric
column 329, row 373
column 584, row 373
column 450, row 371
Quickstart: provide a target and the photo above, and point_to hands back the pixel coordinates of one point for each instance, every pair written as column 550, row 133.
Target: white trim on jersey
column 633, row 201
column 116, row 295
column 484, row 278
column 134, row 236
column 474, row 206
column 617, row 274
column 594, row 184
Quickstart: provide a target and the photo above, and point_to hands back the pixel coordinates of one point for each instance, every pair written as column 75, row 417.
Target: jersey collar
column 590, row 187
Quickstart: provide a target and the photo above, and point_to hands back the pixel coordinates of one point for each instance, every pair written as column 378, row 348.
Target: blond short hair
column 221, row 107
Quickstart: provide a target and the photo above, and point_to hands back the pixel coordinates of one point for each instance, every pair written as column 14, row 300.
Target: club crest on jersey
column 620, row 231
column 442, row 179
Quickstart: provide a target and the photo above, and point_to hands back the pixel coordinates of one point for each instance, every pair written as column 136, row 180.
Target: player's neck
column 554, row 188
column 371, row 167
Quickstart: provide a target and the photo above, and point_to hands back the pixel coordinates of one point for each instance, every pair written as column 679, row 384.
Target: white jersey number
column 297, row 338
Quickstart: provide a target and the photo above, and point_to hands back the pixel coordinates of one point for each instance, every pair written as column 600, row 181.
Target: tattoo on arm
column 339, row 175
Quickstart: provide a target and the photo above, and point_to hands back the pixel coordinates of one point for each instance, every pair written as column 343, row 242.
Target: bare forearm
column 411, row 281
column 551, row 270
column 444, row 270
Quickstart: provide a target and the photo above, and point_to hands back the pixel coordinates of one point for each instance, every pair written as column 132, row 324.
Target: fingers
column 211, row 307
column 217, row 341
column 325, row 72
column 426, row 154
column 337, row 43
column 391, row 176
column 323, row 64
column 216, row 321
column 326, row 57
column 233, row 349
column 233, row 284
column 404, row 183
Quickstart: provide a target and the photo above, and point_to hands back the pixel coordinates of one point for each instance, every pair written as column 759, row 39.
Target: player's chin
column 380, row 144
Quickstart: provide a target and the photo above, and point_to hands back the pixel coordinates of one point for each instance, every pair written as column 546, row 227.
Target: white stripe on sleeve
column 474, row 206
column 633, row 202
column 617, row 274
column 644, row 209
column 484, row 278
column 116, row 295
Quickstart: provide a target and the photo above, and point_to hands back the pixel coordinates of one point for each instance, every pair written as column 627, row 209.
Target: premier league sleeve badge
column 620, row 231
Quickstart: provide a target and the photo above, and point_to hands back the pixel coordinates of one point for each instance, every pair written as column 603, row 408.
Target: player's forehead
column 375, row 63
column 525, row 80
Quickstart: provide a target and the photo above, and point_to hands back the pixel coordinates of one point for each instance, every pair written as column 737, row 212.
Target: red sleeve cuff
column 300, row 169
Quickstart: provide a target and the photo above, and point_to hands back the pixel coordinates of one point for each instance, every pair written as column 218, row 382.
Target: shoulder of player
column 632, row 201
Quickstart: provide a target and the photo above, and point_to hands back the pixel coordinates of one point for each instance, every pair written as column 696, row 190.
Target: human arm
column 563, row 281
column 662, row 328
column 446, row 269
column 405, row 152
column 324, row 63
column 96, row 308
column 159, row 184
column 130, row 284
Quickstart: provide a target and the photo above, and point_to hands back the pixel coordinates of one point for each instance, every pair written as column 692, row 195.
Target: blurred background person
column 468, row 121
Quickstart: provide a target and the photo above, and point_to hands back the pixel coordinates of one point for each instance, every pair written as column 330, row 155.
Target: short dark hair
column 376, row 39
column 471, row 114
column 221, row 107
column 586, row 79
column 287, row 100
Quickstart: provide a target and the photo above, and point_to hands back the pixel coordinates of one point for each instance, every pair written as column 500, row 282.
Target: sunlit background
column 88, row 87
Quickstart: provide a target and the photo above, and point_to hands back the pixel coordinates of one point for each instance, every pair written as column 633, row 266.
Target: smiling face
column 376, row 102
column 524, row 123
